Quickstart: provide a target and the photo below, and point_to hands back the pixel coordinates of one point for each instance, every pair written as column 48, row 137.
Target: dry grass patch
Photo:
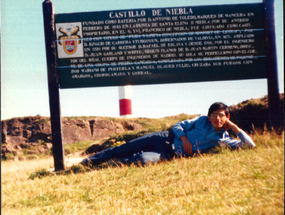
column 230, row 182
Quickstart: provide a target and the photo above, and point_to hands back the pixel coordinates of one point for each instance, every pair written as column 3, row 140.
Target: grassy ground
column 229, row 182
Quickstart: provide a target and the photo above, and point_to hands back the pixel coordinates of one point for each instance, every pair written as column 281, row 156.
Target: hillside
column 28, row 136
column 253, row 114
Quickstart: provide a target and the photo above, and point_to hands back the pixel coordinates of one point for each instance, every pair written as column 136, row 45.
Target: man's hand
column 230, row 125
column 186, row 145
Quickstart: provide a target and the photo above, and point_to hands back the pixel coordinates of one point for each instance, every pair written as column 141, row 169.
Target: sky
column 24, row 90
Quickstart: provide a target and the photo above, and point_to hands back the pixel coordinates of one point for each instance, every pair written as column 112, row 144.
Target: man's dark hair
column 218, row 106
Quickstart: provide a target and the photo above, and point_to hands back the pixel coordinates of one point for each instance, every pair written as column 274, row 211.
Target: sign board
column 161, row 45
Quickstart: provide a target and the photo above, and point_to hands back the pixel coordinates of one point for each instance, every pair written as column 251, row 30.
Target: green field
column 228, row 182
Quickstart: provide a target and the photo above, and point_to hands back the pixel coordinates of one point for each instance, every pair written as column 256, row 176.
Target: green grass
column 78, row 146
column 228, row 182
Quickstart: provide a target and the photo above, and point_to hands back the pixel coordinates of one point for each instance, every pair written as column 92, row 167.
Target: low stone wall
column 35, row 132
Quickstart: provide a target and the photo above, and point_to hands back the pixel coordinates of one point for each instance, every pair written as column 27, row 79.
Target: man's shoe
column 86, row 162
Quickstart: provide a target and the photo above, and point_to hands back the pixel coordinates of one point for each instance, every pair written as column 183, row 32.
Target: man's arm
column 230, row 125
column 245, row 140
column 180, row 130
column 186, row 145
column 182, row 127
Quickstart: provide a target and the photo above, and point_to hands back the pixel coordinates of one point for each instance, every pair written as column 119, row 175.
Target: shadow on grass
column 75, row 169
column 79, row 168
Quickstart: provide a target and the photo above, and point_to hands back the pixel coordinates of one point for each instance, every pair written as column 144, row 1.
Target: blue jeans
column 148, row 148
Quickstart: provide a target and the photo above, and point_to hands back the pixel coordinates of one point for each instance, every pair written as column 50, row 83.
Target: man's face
column 218, row 119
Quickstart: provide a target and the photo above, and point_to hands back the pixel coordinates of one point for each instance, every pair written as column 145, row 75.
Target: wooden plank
column 53, row 87
column 275, row 115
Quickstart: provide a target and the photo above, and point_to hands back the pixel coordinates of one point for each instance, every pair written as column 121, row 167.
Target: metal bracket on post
column 53, row 86
column 275, row 116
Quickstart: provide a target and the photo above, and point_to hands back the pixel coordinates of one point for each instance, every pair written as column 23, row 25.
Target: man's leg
column 143, row 158
column 123, row 151
column 132, row 151
column 161, row 144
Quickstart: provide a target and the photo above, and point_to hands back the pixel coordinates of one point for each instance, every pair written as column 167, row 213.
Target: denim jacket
column 203, row 136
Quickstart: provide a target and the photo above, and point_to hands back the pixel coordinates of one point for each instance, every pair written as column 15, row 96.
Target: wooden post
column 53, row 86
column 275, row 115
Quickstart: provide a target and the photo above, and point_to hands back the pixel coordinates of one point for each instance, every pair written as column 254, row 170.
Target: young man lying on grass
column 186, row 138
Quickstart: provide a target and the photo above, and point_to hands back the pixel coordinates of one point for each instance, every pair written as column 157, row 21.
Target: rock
column 49, row 145
column 101, row 128
column 75, row 130
column 132, row 126
column 43, row 150
column 25, row 132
